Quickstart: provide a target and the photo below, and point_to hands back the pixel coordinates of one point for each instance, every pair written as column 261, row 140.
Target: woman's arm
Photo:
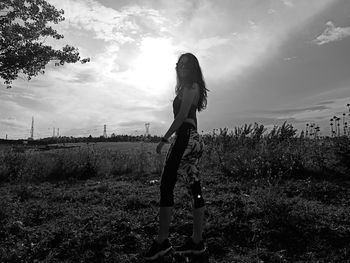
column 187, row 99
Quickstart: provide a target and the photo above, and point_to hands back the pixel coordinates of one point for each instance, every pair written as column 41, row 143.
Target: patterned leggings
column 182, row 159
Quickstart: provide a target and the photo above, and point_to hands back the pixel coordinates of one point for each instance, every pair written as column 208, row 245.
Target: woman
column 182, row 158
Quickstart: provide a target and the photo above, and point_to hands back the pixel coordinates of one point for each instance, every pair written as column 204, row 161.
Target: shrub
column 246, row 153
column 81, row 165
column 12, row 163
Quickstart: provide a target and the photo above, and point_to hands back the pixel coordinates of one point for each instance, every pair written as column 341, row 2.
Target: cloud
column 122, row 26
column 84, row 76
column 106, row 23
column 253, row 25
column 12, row 122
column 288, row 3
column 332, row 34
column 133, row 124
column 326, row 102
column 289, row 58
column 271, row 11
column 211, row 42
column 291, row 111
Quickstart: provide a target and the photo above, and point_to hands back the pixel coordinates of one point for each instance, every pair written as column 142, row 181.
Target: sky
column 265, row 61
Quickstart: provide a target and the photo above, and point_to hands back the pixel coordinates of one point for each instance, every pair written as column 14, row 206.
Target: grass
column 267, row 200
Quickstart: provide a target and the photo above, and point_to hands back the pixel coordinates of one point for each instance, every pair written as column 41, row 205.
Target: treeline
column 71, row 139
column 252, row 132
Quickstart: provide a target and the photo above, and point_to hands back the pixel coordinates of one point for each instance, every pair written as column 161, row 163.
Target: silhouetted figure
column 182, row 158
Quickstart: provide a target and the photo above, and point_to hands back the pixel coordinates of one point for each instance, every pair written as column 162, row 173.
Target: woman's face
column 183, row 67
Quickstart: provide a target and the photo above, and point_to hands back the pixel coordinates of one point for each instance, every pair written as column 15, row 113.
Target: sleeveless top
column 191, row 113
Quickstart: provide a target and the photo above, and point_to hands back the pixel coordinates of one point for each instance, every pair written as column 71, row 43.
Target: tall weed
column 247, row 153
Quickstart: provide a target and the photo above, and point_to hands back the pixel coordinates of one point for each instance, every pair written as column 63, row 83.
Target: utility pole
column 105, row 131
column 32, row 129
column 147, row 128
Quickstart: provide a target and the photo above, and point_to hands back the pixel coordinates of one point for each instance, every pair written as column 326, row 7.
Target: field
column 274, row 198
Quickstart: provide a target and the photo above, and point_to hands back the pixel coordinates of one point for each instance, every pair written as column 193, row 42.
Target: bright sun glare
column 154, row 68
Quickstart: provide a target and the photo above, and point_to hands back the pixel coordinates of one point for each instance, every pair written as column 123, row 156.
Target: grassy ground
column 111, row 214
column 113, row 219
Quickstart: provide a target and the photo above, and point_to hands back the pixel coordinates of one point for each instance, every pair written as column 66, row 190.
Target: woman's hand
column 159, row 147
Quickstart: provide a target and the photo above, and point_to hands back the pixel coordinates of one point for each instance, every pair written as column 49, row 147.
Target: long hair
column 195, row 75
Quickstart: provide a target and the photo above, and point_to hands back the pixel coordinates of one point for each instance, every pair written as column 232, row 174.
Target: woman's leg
column 198, row 211
column 198, row 223
column 189, row 169
column 165, row 213
column 168, row 180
